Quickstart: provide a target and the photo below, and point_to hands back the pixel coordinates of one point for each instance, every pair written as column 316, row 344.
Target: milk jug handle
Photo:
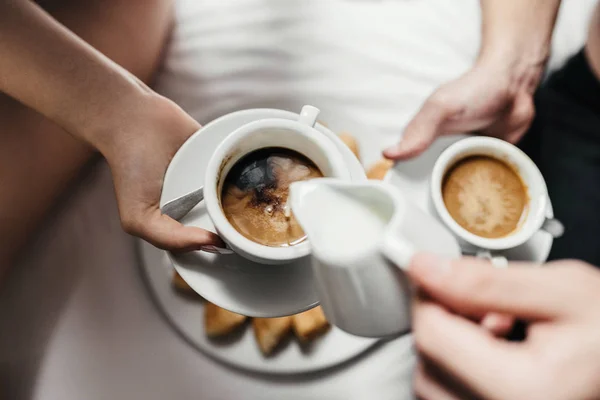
column 398, row 251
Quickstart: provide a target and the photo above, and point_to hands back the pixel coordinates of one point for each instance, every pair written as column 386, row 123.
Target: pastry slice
column 220, row 322
column 270, row 332
column 181, row 285
column 310, row 324
column 379, row 169
column 351, row 142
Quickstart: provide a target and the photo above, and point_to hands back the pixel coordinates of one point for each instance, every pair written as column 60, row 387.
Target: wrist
column 521, row 67
column 144, row 117
column 110, row 122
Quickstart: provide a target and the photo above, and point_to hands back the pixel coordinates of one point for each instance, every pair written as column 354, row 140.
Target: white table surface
column 75, row 320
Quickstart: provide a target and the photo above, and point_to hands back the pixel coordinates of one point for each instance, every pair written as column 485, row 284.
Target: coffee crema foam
column 485, row 196
column 255, row 192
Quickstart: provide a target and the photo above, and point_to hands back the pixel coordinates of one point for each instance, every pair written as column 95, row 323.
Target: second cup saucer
column 232, row 281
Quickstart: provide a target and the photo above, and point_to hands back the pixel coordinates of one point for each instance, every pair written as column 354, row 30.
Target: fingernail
column 215, row 250
column 431, row 264
column 393, row 149
column 498, row 324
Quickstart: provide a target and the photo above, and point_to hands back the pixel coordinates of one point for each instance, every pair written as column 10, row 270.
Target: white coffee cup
column 538, row 204
column 361, row 286
column 300, row 136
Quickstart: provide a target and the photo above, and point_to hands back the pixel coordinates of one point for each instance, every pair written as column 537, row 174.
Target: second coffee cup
column 490, row 194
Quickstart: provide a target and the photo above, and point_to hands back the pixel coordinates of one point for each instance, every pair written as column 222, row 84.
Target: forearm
column 517, row 34
column 50, row 69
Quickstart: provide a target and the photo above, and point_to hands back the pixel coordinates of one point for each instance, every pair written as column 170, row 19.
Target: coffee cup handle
column 497, row 261
column 397, row 251
column 308, row 115
column 554, row 227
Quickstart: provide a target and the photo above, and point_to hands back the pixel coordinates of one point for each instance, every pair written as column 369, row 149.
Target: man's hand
column 559, row 359
column 495, row 96
column 486, row 99
column 48, row 68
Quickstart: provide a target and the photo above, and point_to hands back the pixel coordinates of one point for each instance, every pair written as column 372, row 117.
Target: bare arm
column 53, row 71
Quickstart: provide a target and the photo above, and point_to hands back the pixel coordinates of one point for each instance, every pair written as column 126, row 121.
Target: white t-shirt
column 368, row 64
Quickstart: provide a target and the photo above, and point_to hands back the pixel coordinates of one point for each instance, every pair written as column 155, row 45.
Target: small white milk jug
column 362, row 235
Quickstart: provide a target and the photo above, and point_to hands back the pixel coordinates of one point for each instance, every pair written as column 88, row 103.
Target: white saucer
column 231, row 281
column 186, row 316
column 413, row 178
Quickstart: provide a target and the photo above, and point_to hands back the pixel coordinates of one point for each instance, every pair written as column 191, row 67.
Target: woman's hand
column 139, row 143
column 560, row 357
column 53, row 71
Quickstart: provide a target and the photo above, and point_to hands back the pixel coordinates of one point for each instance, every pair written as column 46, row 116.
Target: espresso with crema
column 255, row 193
column 485, row 196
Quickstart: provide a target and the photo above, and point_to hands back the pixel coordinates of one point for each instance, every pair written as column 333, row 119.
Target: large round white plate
column 186, row 316
column 413, row 178
column 231, row 281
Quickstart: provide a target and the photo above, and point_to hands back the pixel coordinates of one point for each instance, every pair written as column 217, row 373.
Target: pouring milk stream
column 362, row 235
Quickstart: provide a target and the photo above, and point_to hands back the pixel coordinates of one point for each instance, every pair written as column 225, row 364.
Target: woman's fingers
column 516, row 121
column 168, row 234
column 470, row 287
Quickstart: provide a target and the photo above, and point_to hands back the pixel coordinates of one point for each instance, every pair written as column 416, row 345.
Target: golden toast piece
column 351, row 142
column 269, row 332
column 219, row 322
column 181, row 285
column 379, row 169
column 310, row 324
